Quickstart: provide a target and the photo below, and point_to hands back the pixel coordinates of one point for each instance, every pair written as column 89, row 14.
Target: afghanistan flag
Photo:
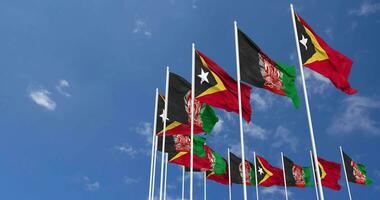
column 211, row 161
column 319, row 56
column 257, row 69
column 330, row 173
column 216, row 88
column 237, row 171
column 179, row 107
column 267, row 175
column 295, row 175
column 222, row 178
column 182, row 143
column 356, row 173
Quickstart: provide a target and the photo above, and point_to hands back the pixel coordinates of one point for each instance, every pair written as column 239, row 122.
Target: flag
column 182, row 143
column 329, row 173
column 237, row 171
column 212, row 161
column 356, row 173
column 295, row 175
column 216, row 88
column 222, row 178
column 319, row 56
column 179, row 107
column 257, row 69
column 267, row 175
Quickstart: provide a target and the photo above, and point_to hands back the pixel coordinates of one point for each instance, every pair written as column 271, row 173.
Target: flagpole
column 183, row 182
column 315, row 180
column 154, row 166
column 314, row 147
column 229, row 175
column 283, row 171
column 165, row 114
column 166, row 174
column 240, row 111
column 192, row 119
column 153, row 145
column 204, row 186
column 345, row 173
column 256, row 183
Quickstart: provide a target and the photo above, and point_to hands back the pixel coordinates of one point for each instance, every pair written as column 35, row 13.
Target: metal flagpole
column 164, row 117
column 166, row 174
column 183, row 182
column 315, row 179
column 204, row 186
column 153, row 145
column 240, row 111
column 314, row 147
column 256, row 183
column 154, row 166
column 192, row 119
column 229, row 175
column 345, row 173
column 283, row 170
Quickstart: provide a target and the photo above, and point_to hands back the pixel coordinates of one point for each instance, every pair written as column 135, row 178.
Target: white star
column 163, row 116
column 203, row 76
column 304, row 41
column 261, row 171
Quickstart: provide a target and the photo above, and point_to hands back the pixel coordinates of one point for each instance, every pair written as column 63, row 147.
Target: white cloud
column 315, row 82
column 283, row 137
column 62, row 84
column 274, row 191
column 356, row 115
column 262, row 100
column 218, row 126
column 329, row 32
column 129, row 180
column 127, row 149
column 366, row 8
column 145, row 129
column 194, row 4
column 255, row 131
column 142, row 27
column 91, row 185
column 41, row 97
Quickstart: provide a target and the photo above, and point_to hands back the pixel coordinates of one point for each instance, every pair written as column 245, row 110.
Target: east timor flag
column 257, row 69
column 215, row 87
column 237, row 171
column 267, row 175
column 330, row 173
column 356, row 173
column 319, row 56
column 296, row 175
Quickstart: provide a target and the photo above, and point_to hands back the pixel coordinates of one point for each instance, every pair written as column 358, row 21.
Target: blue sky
column 77, row 88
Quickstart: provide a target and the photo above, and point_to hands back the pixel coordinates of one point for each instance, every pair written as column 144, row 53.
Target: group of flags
column 215, row 88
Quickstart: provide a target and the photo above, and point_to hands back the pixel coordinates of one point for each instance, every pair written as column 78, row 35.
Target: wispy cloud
column 284, row 137
column 316, row 82
column 91, row 185
column 127, row 149
column 218, row 126
column 329, row 33
column 255, row 131
column 62, row 85
column 274, row 191
column 146, row 130
column 130, row 180
column 356, row 115
column 194, row 4
column 366, row 8
column 262, row 100
column 42, row 98
column 142, row 27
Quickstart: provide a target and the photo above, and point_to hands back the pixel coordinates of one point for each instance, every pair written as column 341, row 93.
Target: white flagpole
column 205, row 186
column 345, row 173
column 192, row 119
column 315, row 179
column 165, row 114
column 166, row 174
column 314, row 147
column 240, row 110
column 154, row 166
column 256, row 183
column 229, row 175
column 283, row 171
column 153, row 145
column 183, row 182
